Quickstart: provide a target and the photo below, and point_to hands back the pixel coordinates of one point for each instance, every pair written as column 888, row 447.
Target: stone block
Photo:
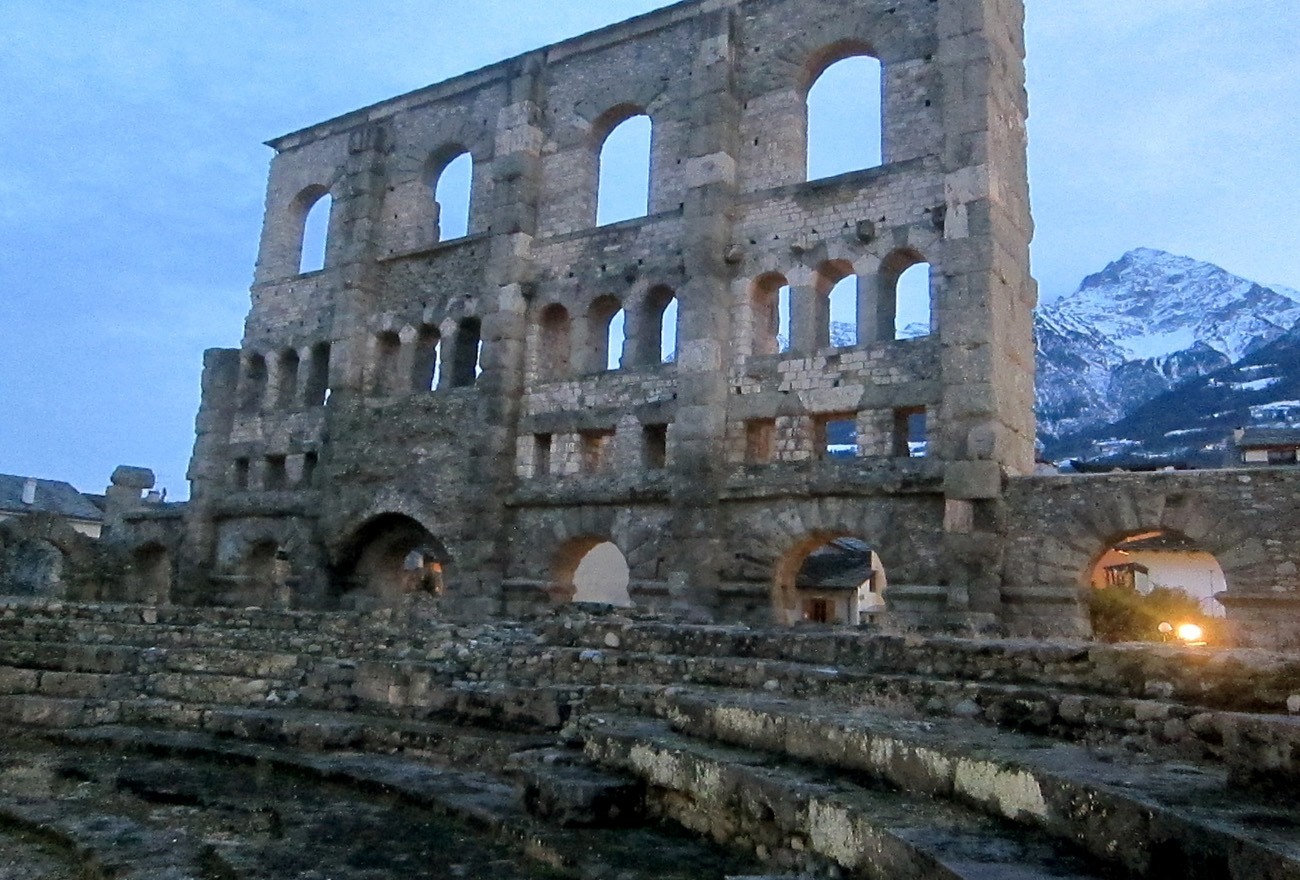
column 972, row 480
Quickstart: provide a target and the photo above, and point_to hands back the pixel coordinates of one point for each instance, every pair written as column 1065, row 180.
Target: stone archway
column 591, row 569
column 390, row 557
column 828, row 578
column 767, row 546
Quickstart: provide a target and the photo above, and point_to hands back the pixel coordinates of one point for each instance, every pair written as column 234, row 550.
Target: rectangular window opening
column 837, row 436
column 593, row 445
column 911, row 433
column 760, row 441
column 541, row 455
column 241, row 473
column 654, row 446
column 277, row 473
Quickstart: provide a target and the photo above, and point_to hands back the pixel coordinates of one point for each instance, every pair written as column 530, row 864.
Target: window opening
column 277, row 473
column 912, row 298
column 452, row 194
column 255, row 384
column 593, row 448
column 241, row 473
column 318, row 376
column 469, row 345
column 309, row 464
column 760, row 441
column 844, row 118
column 842, row 304
column 654, row 446
column 553, row 343
column 837, row 436
column 315, row 235
column 624, row 178
column 427, row 367
column 388, row 347
column 288, row 391
column 911, row 438
column 542, row 454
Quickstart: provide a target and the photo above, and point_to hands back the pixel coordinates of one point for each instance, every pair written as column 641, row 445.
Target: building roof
column 52, row 496
column 844, row 564
column 1269, row 438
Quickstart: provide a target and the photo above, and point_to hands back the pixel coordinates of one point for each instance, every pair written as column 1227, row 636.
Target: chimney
column 29, row 491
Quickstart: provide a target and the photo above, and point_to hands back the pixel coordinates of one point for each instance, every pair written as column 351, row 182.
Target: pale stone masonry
column 504, row 468
column 436, row 415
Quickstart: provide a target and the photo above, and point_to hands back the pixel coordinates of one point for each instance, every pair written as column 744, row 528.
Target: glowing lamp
column 1166, row 628
column 1190, row 632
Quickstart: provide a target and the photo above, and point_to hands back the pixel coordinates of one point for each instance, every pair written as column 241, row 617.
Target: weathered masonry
column 460, row 415
column 422, row 412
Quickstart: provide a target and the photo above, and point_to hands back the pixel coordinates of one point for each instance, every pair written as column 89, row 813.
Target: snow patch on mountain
column 1147, row 323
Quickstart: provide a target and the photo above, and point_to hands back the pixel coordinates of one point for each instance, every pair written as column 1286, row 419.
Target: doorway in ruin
column 1143, row 580
column 391, row 558
column 149, row 579
column 594, row 570
column 829, row 579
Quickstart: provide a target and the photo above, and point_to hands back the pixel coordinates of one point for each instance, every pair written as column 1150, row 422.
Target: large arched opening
column 1155, row 585
column 591, row 569
column 829, row 578
column 390, row 558
column 623, row 177
column 845, row 112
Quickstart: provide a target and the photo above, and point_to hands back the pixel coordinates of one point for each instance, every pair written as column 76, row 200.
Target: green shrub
column 1124, row 615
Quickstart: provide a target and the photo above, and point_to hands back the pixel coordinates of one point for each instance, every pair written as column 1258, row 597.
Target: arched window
column 465, row 368
column 287, row 393
column 452, row 182
column 553, row 343
column 844, row 116
column 254, row 384
column 388, row 346
column 318, row 377
column 316, row 205
column 837, row 305
column 901, row 301
column 657, row 341
column 912, row 295
column 425, row 367
column 624, row 181
column 770, row 315
column 605, row 334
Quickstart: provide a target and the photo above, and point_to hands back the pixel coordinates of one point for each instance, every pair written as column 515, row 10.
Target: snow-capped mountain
column 1147, row 323
column 1193, row 423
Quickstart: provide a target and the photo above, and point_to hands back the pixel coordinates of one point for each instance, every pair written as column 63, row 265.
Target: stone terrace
column 820, row 751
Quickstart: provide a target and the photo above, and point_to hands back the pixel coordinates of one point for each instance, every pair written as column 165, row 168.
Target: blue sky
column 132, row 170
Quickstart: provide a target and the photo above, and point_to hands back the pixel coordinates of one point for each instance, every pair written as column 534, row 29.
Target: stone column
column 698, row 464
column 985, row 295
column 508, row 288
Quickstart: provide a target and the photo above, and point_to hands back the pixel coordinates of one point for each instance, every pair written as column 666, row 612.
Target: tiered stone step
column 1149, row 819
column 109, row 847
column 808, row 816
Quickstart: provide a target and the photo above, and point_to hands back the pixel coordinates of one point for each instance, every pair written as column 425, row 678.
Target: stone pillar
column 516, row 171
column 806, row 320
column 985, row 295
column 698, row 466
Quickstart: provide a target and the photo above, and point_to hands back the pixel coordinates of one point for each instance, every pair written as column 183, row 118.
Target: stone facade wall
column 710, row 472
column 1058, row 527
